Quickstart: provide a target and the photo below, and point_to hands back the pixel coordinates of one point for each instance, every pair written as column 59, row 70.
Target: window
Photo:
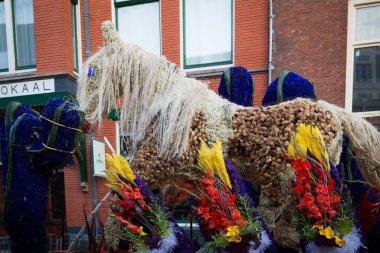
column 17, row 44
column 363, row 58
column 3, row 39
column 138, row 22
column 123, row 146
column 74, row 4
column 23, row 29
column 207, row 33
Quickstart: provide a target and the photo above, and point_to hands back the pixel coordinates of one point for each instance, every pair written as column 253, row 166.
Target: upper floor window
column 363, row 59
column 23, row 27
column 207, row 33
column 138, row 22
column 17, row 44
column 3, row 39
column 75, row 35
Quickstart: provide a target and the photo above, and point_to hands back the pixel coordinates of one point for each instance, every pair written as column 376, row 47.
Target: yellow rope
column 58, row 124
column 59, row 150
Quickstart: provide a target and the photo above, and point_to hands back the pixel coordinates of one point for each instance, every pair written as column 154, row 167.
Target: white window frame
column 119, row 147
column 11, row 42
column 182, row 38
column 114, row 17
column 79, row 39
column 353, row 5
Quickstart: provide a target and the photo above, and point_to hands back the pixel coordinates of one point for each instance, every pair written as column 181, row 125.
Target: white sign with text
column 27, row 88
column 99, row 158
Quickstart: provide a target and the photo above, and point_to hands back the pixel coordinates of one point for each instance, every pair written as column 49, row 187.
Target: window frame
column 210, row 65
column 352, row 44
column 5, row 10
column 17, row 67
column 126, row 3
column 75, row 9
column 11, row 42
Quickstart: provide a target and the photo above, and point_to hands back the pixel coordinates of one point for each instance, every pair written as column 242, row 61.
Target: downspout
column 87, row 28
column 93, row 185
column 270, row 66
column 94, row 192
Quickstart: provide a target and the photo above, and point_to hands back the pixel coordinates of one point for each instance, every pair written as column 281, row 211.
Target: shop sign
column 99, row 158
column 27, row 88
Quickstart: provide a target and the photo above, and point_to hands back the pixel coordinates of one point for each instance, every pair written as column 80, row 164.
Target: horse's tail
column 365, row 140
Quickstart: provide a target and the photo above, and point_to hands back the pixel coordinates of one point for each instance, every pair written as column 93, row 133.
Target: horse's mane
column 154, row 93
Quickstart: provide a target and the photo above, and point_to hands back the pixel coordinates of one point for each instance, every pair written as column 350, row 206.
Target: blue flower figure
column 236, row 85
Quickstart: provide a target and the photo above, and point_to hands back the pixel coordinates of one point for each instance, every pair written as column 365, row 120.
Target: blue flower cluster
column 236, row 85
column 293, row 86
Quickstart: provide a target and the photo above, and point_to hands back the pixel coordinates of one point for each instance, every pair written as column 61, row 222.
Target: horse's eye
column 91, row 71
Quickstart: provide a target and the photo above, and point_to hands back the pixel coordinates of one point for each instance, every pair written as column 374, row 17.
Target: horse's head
column 97, row 76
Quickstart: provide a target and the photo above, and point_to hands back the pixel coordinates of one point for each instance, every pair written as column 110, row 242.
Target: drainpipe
column 93, row 185
column 87, row 28
column 270, row 66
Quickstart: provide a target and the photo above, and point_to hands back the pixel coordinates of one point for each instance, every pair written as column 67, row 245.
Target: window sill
column 217, row 72
column 16, row 74
column 367, row 114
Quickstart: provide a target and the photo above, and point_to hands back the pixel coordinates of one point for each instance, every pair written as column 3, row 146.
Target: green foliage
column 309, row 232
column 137, row 242
column 254, row 225
column 159, row 217
column 217, row 242
column 344, row 225
column 243, row 206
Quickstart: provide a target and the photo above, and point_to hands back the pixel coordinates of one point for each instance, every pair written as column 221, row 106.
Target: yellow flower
column 309, row 139
column 232, row 231
column 118, row 166
column 327, row 232
column 142, row 233
column 234, row 239
column 205, row 158
column 212, row 160
column 233, row 234
column 339, row 242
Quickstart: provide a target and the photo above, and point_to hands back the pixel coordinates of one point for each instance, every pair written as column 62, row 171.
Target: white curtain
column 3, row 39
column 208, row 32
column 26, row 52
column 140, row 24
column 367, row 23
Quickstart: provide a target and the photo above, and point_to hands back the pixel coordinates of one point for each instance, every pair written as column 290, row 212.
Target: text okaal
column 27, row 88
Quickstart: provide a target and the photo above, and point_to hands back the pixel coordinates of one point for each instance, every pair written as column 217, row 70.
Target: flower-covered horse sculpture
column 166, row 115
column 33, row 145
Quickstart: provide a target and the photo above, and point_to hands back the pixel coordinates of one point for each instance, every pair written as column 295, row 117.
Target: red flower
column 366, row 217
column 134, row 228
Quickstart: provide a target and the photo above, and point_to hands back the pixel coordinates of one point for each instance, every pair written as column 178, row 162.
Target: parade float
column 305, row 157
column 167, row 125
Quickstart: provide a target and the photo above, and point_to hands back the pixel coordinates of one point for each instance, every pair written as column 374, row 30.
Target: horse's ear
column 110, row 35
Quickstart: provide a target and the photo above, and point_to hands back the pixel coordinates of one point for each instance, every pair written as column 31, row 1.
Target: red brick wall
column 75, row 198
column 310, row 39
column 170, row 27
column 100, row 10
column 251, row 41
column 53, row 36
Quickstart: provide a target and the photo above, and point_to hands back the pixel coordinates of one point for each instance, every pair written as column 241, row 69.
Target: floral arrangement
column 145, row 226
column 323, row 213
column 227, row 218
